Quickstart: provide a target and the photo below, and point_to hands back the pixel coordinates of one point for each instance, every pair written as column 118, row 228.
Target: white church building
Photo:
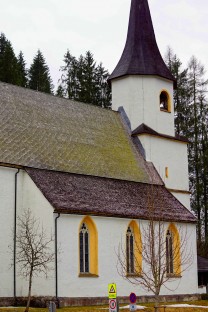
column 87, row 172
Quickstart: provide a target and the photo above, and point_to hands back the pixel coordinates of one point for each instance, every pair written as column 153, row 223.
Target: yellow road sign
column 112, row 291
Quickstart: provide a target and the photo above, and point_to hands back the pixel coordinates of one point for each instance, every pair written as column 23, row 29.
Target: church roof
column 42, row 131
column 141, row 55
column 144, row 129
column 80, row 156
column 79, row 194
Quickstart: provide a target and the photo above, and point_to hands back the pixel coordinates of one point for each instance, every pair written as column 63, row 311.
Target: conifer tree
column 83, row 80
column 22, row 71
column 86, row 71
column 3, row 43
column 39, row 76
column 198, row 108
column 69, row 80
column 181, row 93
column 60, row 91
column 8, row 62
column 191, row 120
column 103, row 91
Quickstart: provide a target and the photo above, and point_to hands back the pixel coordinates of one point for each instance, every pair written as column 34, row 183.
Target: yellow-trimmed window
column 88, row 248
column 165, row 101
column 133, row 249
column 173, row 254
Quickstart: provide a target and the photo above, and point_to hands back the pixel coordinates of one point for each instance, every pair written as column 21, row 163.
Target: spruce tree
column 87, row 65
column 103, row 91
column 83, row 80
column 22, row 71
column 3, row 43
column 60, row 91
column 8, row 62
column 39, row 76
column 69, row 80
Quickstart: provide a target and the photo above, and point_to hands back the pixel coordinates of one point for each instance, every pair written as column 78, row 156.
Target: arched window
column 169, row 252
column 164, row 101
column 88, row 248
column 84, row 248
column 173, row 256
column 133, row 249
column 129, row 251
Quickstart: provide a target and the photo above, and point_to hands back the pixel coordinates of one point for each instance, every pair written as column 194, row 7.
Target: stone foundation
column 43, row 302
column 64, row 302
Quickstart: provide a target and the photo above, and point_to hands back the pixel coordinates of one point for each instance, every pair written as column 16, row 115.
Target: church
column 89, row 174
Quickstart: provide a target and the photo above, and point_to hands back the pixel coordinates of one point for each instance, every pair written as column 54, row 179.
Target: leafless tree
column 34, row 254
column 164, row 254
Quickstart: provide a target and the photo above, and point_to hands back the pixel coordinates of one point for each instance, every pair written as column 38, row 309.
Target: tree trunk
column 29, row 290
column 157, row 302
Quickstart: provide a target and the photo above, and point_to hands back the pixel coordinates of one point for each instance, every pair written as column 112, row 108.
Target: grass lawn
column 149, row 308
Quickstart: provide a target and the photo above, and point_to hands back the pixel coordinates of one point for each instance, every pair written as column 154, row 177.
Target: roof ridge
column 54, row 96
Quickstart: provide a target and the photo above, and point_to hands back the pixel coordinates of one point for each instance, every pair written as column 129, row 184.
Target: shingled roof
column 144, row 129
column 42, row 131
column 141, row 55
column 80, row 156
column 79, row 194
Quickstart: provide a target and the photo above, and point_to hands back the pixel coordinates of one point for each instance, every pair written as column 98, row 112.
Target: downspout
column 56, row 257
column 15, row 230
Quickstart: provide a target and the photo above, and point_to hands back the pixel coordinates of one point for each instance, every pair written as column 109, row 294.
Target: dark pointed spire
column 141, row 55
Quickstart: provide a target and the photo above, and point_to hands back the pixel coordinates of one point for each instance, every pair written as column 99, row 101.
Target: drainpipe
column 56, row 256
column 15, row 229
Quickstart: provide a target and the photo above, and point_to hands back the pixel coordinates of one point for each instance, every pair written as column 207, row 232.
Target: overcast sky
column 101, row 27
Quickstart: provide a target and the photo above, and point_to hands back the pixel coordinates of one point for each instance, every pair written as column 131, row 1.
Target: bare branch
column 33, row 249
column 164, row 252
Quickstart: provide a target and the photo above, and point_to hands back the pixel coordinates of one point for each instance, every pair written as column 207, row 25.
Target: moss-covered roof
column 46, row 132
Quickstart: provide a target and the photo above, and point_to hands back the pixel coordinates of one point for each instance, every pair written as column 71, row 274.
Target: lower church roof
column 79, row 194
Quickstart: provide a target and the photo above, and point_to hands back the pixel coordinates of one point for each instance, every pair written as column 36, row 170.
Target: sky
column 101, row 27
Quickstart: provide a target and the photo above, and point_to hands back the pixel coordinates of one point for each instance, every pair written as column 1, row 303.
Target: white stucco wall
column 184, row 199
column 111, row 232
column 171, row 154
column 7, row 182
column 140, row 98
column 28, row 196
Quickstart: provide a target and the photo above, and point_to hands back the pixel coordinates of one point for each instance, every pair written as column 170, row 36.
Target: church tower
column 142, row 86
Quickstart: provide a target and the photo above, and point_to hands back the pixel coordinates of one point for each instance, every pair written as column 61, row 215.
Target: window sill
column 165, row 110
column 88, row 275
column 174, row 275
column 133, row 275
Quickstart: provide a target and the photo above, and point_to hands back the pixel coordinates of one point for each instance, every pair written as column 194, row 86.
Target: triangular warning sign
column 112, row 290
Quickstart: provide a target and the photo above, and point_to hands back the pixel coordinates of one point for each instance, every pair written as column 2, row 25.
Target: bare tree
column 160, row 258
column 34, row 254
